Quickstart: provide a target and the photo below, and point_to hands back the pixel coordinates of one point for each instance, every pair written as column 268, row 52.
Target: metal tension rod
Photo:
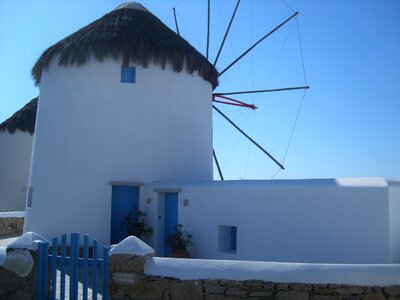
column 208, row 28
column 236, row 104
column 265, row 91
column 259, row 41
column 218, row 167
column 232, row 101
column 226, row 33
column 249, row 138
column 176, row 22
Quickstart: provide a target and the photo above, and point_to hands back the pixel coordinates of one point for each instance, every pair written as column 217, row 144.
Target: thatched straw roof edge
column 24, row 119
column 131, row 35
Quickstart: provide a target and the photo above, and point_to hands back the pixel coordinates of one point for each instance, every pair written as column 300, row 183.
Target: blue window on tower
column 128, row 74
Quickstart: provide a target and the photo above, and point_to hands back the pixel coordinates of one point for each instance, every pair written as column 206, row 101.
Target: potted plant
column 135, row 224
column 179, row 241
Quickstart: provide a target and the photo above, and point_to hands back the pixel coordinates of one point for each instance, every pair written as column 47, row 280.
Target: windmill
column 229, row 97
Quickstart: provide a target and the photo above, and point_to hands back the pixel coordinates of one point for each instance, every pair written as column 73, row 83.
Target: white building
column 129, row 105
column 16, row 136
column 125, row 122
column 316, row 220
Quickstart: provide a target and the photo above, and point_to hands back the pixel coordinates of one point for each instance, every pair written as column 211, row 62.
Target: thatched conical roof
column 24, row 119
column 134, row 34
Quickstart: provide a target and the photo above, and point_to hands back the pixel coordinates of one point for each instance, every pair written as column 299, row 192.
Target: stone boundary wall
column 128, row 281
column 18, row 267
column 11, row 226
column 15, row 287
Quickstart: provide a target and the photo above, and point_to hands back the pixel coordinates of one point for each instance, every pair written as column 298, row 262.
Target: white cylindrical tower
column 16, row 137
column 123, row 99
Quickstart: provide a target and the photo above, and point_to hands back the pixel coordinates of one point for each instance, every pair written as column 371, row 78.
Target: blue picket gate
column 71, row 277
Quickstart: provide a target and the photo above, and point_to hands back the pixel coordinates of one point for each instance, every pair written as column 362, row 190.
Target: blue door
column 124, row 200
column 171, row 216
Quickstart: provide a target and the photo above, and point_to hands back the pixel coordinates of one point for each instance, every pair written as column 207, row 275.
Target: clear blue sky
column 349, row 124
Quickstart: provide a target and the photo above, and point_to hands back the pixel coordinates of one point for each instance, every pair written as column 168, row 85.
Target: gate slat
column 54, row 269
column 71, row 266
column 45, row 268
column 63, row 255
column 85, row 265
column 95, row 264
column 74, row 278
column 105, row 272
column 39, row 272
column 76, row 266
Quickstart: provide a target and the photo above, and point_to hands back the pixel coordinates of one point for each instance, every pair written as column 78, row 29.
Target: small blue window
column 128, row 74
column 227, row 239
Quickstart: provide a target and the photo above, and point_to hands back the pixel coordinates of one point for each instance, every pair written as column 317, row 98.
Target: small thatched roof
column 24, row 119
column 134, row 34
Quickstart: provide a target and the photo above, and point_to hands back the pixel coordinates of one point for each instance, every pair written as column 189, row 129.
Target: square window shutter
column 128, row 74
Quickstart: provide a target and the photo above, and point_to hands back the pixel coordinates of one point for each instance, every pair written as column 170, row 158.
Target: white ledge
column 353, row 274
column 12, row 214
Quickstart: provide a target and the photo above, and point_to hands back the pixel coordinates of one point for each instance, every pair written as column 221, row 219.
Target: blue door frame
column 125, row 199
column 171, row 217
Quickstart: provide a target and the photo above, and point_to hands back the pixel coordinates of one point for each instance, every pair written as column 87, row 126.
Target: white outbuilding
column 124, row 101
column 337, row 220
column 16, row 137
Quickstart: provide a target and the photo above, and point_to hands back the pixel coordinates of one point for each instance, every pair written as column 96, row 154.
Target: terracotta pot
column 180, row 254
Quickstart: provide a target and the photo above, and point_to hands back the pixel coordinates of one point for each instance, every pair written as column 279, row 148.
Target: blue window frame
column 128, row 74
column 233, row 239
column 227, row 239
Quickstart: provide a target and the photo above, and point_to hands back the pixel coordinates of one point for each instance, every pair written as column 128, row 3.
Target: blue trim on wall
column 171, row 217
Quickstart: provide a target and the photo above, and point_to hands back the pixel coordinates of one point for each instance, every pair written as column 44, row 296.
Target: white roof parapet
column 132, row 245
column 345, row 182
column 27, row 241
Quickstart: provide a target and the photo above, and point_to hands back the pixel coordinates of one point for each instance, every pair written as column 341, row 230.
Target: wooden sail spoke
column 264, row 91
column 256, row 43
column 249, row 138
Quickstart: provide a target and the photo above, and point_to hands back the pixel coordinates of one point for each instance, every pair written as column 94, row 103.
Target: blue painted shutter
column 128, row 74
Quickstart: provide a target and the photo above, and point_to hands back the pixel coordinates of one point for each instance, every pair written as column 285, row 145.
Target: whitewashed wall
column 316, row 221
column 15, row 158
column 91, row 129
column 394, row 221
column 309, row 273
column 277, row 272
